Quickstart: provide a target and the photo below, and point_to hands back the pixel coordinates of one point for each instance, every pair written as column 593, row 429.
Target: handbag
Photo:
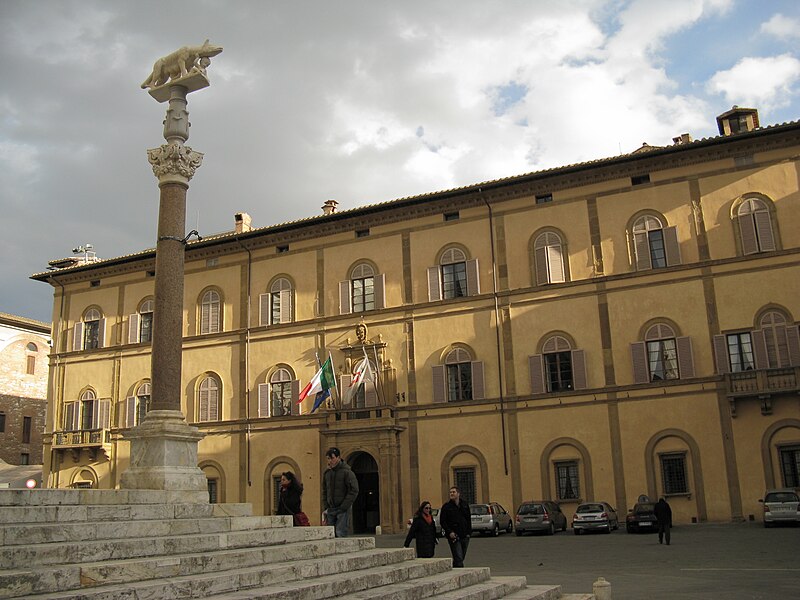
column 301, row 520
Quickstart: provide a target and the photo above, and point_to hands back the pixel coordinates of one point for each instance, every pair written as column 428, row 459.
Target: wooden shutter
column 133, row 328
column 101, row 333
column 380, row 290
column 578, row 370
column 763, row 226
column 536, row 364
column 473, row 281
column 555, row 261
column 77, row 336
column 671, row 246
column 641, row 245
column 434, row 284
column 478, row 384
column 760, row 355
column 95, row 424
column 130, row 411
column 685, row 357
column 204, row 400
column 295, row 394
column 721, row 354
column 793, row 343
column 104, row 420
column 439, row 384
column 540, row 258
column 263, row 400
column 204, row 318
column 641, row 373
column 286, row 306
column 747, row 228
column 345, row 298
column 70, row 416
column 344, row 387
column 263, row 309
column 782, row 346
column 214, row 317
column 213, row 405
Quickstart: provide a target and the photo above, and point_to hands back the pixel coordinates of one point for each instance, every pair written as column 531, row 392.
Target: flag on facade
column 320, row 385
column 362, row 373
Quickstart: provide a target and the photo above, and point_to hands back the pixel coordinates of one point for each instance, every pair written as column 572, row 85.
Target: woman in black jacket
column 289, row 501
column 423, row 529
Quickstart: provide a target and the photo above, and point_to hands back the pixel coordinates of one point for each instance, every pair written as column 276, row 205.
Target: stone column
column 164, row 445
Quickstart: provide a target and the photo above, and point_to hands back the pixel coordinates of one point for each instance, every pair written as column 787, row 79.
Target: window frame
column 568, row 472
column 755, row 230
column 792, row 479
column 549, row 258
column 668, row 485
column 654, row 243
column 210, row 309
column 212, row 412
column 465, row 478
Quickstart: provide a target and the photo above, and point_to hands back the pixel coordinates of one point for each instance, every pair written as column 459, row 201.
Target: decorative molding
column 174, row 162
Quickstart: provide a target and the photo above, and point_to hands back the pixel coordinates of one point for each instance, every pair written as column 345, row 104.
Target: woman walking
column 289, row 498
column 423, row 529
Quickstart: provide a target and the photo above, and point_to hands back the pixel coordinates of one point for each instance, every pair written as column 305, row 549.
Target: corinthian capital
column 174, row 162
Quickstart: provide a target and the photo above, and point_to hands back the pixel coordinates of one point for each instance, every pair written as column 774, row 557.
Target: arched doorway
column 366, row 508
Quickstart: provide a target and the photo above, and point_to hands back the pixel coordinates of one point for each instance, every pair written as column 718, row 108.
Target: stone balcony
column 762, row 384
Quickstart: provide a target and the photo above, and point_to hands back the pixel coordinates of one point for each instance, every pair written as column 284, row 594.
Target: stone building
column 598, row 331
column 24, row 348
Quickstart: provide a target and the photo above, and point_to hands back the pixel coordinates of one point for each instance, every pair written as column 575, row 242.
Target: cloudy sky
column 358, row 101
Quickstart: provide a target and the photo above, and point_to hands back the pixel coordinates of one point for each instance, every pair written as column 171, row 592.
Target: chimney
column 737, row 120
column 242, row 221
column 683, row 138
column 329, row 207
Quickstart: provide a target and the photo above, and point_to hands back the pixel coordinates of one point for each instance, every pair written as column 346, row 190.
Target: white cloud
column 767, row 83
column 782, row 27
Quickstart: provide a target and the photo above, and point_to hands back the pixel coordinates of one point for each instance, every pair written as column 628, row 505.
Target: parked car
column 594, row 516
column 490, row 518
column 435, row 515
column 642, row 517
column 540, row 515
column 781, row 506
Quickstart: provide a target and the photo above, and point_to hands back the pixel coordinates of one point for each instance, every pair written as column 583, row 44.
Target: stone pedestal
column 164, row 455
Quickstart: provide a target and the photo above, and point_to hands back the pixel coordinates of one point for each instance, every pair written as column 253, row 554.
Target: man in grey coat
column 339, row 491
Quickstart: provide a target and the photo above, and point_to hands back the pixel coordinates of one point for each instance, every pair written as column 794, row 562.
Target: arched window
column 278, row 397
column 136, row 406
column 755, row 226
column 548, row 257
column 276, row 306
column 210, row 312
column 662, row 355
column 140, row 324
column 88, row 413
column 459, row 378
column 363, row 291
column 89, row 333
column 208, row 399
column 558, row 368
column 655, row 246
column 454, row 277
column 88, row 406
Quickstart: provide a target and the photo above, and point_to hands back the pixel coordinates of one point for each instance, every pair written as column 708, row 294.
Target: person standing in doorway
column 423, row 529
column 456, row 522
column 664, row 516
column 339, row 491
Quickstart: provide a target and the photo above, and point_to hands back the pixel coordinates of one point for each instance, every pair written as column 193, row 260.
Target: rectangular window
column 740, row 352
column 464, row 478
column 87, row 414
column 281, row 399
column 673, row 474
column 790, row 466
column 454, row 280
column 2, row 422
column 30, row 366
column 568, row 480
column 362, row 233
column 662, row 358
column 658, row 254
column 459, row 382
column 275, row 308
column 282, row 249
column 453, row 216
column 27, row 422
column 91, row 335
column 24, row 458
column 146, row 327
column 363, row 294
column 544, row 198
column 559, row 371
column 640, row 179
column 212, row 491
column 276, row 491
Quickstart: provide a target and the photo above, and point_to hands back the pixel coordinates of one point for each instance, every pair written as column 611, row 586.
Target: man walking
column 456, row 522
column 664, row 516
column 339, row 491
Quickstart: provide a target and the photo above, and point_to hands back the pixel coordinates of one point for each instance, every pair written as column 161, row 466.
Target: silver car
column 490, row 518
column 540, row 515
column 781, row 506
column 594, row 516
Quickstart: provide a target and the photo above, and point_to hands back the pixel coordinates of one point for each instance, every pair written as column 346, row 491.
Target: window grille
column 568, row 480
column 465, row 482
column 673, row 473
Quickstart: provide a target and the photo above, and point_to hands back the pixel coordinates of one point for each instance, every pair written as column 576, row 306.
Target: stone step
column 496, row 587
column 81, row 513
column 45, row 533
column 57, row 497
column 407, row 580
column 308, row 579
column 472, row 584
column 21, row 556
column 546, row 592
column 578, row 597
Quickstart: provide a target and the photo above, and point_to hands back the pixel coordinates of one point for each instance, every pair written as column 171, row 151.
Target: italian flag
column 320, row 384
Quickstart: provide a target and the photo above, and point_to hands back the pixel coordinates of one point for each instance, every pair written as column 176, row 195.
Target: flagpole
column 377, row 377
column 335, row 385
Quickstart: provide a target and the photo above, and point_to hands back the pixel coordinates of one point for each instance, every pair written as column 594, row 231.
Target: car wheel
column 608, row 529
column 628, row 529
column 518, row 532
column 496, row 530
column 564, row 526
column 552, row 529
column 576, row 531
column 510, row 527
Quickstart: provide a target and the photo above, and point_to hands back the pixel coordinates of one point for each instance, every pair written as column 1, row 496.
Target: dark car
column 642, row 518
column 540, row 515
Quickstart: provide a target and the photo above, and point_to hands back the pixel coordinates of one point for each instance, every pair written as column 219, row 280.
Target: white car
column 781, row 506
column 594, row 516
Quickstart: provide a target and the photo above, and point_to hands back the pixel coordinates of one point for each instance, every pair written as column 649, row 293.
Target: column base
column 164, row 455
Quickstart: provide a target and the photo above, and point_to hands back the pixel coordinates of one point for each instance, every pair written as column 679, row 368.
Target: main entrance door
column 367, row 507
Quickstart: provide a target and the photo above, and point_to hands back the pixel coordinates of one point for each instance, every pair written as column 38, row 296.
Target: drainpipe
column 497, row 331
column 52, row 479
column 247, row 362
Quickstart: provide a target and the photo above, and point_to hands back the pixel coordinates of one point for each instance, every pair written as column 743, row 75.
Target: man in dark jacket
column 456, row 522
column 664, row 516
column 339, row 491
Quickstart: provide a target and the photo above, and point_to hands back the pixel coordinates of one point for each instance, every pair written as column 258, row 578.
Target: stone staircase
column 138, row 544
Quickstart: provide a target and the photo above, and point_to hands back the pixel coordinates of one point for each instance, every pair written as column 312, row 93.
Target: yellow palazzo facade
column 598, row 331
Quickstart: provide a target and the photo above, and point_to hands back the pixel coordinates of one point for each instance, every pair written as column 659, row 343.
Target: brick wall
column 14, row 409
